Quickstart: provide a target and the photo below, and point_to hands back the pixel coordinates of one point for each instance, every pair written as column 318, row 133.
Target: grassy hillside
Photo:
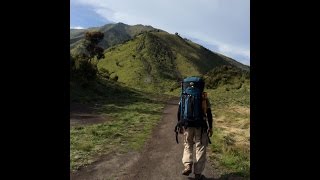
column 228, row 89
column 156, row 61
column 113, row 34
column 232, row 77
column 144, row 63
column 126, row 128
column 231, row 137
column 151, row 59
column 149, row 66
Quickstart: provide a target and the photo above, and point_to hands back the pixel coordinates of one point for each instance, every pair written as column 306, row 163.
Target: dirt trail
column 159, row 160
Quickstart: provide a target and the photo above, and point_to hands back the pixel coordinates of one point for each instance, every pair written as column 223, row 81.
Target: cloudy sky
column 222, row 26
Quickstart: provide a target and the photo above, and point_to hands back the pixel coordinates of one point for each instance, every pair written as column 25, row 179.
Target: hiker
column 194, row 117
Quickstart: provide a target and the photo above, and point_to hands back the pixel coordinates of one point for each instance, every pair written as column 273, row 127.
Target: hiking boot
column 197, row 176
column 187, row 170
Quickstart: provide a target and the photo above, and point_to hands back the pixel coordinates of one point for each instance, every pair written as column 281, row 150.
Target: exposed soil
column 160, row 159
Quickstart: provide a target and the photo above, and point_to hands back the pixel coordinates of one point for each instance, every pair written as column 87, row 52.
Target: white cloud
column 225, row 49
column 221, row 23
column 229, row 50
column 76, row 27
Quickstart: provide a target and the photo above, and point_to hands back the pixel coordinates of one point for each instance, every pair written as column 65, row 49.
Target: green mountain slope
column 151, row 59
column 232, row 76
column 146, row 61
column 156, row 61
column 113, row 34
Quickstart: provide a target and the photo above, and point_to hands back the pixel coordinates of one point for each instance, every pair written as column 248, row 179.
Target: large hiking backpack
column 192, row 100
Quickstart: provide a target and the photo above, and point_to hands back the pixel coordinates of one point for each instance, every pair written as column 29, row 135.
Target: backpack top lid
column 193, row 81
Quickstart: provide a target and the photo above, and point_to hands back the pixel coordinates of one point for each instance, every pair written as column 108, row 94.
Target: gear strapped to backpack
column 193, row 101
column 192, row 89
column 193, row 104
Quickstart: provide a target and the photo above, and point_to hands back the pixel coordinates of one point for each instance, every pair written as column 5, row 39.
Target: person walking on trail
column 195, row 123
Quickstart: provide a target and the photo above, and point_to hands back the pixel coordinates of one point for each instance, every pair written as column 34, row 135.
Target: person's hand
column 210, row 132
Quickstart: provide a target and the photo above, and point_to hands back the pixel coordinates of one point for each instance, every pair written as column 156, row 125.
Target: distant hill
column 152, row 59
column 113, row 34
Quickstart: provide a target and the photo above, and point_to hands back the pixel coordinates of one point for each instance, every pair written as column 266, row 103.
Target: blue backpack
column 192, row 100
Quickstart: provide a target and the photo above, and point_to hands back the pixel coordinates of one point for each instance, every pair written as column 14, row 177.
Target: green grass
column 114, row 34
column 154, row 61
column 139, row 67
column 231, row 135
column 222, row 97
column 148, row 68
column 229, row 157
column 132, row 114
column 128, row 130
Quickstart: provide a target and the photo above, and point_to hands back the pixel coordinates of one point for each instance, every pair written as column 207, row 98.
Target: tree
column 92, row 40
column 81, row 66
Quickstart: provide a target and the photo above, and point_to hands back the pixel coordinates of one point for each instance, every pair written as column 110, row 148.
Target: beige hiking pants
column 192, row 136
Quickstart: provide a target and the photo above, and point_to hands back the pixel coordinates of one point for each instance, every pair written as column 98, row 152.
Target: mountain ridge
column 149, row 58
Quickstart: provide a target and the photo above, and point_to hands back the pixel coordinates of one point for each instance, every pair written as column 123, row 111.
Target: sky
column 222, row 26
